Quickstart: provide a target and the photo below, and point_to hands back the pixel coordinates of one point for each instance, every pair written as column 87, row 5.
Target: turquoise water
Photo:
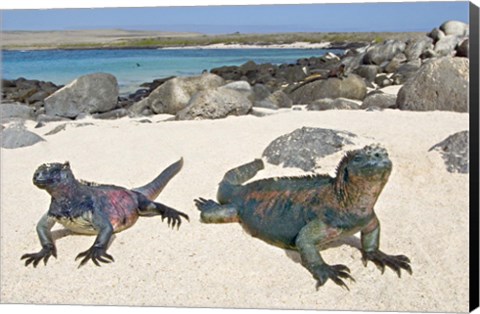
column 63, row 66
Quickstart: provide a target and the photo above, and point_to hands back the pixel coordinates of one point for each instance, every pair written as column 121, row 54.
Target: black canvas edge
column 474, row 157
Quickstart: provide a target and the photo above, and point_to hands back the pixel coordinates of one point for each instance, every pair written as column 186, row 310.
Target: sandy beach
column 423, row 211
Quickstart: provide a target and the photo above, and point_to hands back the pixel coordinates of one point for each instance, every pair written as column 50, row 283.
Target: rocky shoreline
column 431, row 73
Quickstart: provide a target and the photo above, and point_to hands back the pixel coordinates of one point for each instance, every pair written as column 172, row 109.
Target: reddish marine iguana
column 95, row 209
column 307, row 213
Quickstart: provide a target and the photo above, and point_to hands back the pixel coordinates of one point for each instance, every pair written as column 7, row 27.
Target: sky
column 361, row 17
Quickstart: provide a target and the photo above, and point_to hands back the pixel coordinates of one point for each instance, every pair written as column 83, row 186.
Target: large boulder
column 174, row 95
column 88, row 94
column 302, row 147
column 455, row 28
column 463, row 48
column 215, row 104
column 380, row 53
column 440, row 84
column 368, row 72
column 351, row 87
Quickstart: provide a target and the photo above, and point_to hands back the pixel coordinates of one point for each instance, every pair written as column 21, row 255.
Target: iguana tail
column 235, row 177
column 153, row 189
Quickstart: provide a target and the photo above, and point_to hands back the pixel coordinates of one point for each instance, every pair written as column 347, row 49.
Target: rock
column 380, row 53
column 405, row 71
column 260, row 92
column 379, row 100
column 17, row 136
column 302, row 147
column 215, row 104
column 114, row 114
column 414, row 49
column 395, row 63
column 38, row 96
column 329, row 104
column 228, row 73
column 440, row 84
column 280, row 99
column 93, row 93
column 15, row 110
column 454, row 28
column 58, row 128
column 455, row 152
column 241, row 87
column 43, row 118
column 352, row 87
column 383, row 80
column 173, row 95
column 368, row 72
column 463, row 48
column 428, row 54
column 446, row 46
column 436, row 34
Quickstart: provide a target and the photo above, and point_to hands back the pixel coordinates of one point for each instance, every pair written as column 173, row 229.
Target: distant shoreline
column 121, row 39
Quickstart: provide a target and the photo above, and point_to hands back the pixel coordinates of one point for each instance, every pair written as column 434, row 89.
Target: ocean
column 132, row 67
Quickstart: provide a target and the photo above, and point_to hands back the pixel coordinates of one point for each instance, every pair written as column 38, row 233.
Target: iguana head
column 50, row 176
column 369, row 162
column 366, row 169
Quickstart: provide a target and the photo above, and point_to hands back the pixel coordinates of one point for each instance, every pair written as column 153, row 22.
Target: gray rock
column 15, row 110
column 174, row 95
column 87, row 94
column 240, row 86
column 302, row 147
column 380, row 53
column 383, row 80
column 114, row 114
column 260, row 92
column 455, row 28
column 265, row 103
column 455, row 152
column 58, row 128
column 280, row 99
column 440, row 84
column 16, row 137
column 414, row 49
column 369, row 72
column 352, row 87
column 333, row 104
column 43, row 118
column 436, row 34
column 379, row 100
column 463, row 48
column 446, row 46
column 394, row 64
column 405, row 71
column 215, row 104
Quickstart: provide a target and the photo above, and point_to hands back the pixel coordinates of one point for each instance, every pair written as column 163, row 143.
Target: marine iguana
column 307, row 213
column 95, row 209
column 337, row 72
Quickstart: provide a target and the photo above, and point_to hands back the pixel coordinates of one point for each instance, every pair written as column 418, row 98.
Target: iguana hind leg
column 313, row 235
column 212, row 212
column 147, row 208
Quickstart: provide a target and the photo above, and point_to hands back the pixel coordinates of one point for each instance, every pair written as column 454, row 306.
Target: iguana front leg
column 315, row 234
column 48, row 247
column 370, row 251
column 212, row 212
column 98, row 252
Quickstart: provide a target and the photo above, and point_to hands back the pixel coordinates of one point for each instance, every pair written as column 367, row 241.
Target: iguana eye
column 357, row 158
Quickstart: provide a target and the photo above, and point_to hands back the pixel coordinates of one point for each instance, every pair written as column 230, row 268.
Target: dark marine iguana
column 95, row 209
column 307, row 213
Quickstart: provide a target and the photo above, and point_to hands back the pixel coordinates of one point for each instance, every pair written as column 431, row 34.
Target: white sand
column 423, row 211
